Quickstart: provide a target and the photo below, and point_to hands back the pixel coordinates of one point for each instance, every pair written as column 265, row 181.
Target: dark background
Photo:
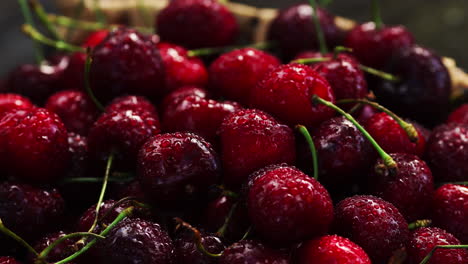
column 438, row 24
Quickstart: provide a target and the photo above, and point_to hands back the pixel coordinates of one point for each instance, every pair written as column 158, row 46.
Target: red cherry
column 95, row 38
column 187, row 251
column 73, row 76
column 179, row 94
column 131, row 102
column 249, row 252
column 8, row 260
column 10, row 101
column 459, row 115
column 61, row 251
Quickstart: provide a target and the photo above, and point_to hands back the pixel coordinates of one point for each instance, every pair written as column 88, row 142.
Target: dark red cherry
column 286, row 92
column 10, row 101
column 423, row 92
column 177, row 168
column 424, row 239
column 131, row 102
column 186, row 250
column 137, row 241
column 95, row 38
column 447, row 152
column 197, row 23
column 375, row 47
column 251, row 252
column 459, row 115
column 288, row 202
column 235, row 74
column 392, row 137
column 75, row 108
column 410, row 189
column 450, row 210
column 198, row 115
column 59, row 252
column 250, row 140
column 35, row 145
column 332, row 249
column 181, row 70
column 8, row 260
column 127, row 62
column 372, row 223
column 294, row 31
column 74, row 74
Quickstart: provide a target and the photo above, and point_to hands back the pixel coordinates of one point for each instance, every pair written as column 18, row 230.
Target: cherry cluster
column 139, row 148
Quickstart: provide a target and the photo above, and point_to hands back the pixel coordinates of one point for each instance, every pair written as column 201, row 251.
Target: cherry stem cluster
column 58, row 44
column 42, row 15
column 197, row 238
column 318, row 28
column 218, row 50
column 429, row 255
column 39, row 53
column 88, row 89
column 8, row 232
column 222, row 230
column 43, row 255
column 376, row 14
column 303, row 130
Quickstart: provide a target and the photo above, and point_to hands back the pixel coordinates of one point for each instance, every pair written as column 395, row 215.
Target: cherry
column 250, row 140
column 187, row 252
column 180, row 94
column 424, row 239
column 131, row 102
column 447, row 152
column 59, row 252
column 374, row 46
column 73, row 76
column 181, row 70
column 175, row 169
column 423, row 92
column 392, row 137
column 75, row 109
column 374, row 224
column 8, row 260
column 251, row 252
column 126, row 62
column 410, row 189
column 197, row 23
column 137, row 241
column 10, row 101
column 332, row 249
column 459, row 115
column 235, row 74
column 28, row 158
column 95, row 38
column 286, row 206
column 450, row 210
column 198, row 115
column 294, row 31
column 286, row 92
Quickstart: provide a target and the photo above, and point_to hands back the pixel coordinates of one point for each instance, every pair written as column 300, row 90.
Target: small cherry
column 9, row 101
column 174, row 97
column 131, row 102
column 58, row 253
column 459, row 115
column 250, row 252
column 8, row 260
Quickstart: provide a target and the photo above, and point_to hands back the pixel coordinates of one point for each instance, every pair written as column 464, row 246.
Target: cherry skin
column 8, row 260
column 450, row 210
column 187, row 252
column 286, row 92
column 176, row 169
column 181, row 70
column 197, row 23
column 75, row 108
column 131, row 102
column 251, row 252
column 424, row 239
column 10, row 101
column 95, row 38
column 250, row 140
column 294, row 31
column 74, row 73
column 392, row 137
column 423, row 92
column 235, row 74
column 447, row 152
column 375, row 47
column 284, row 199
column 30, row 159
column 179, row 94
column 372, row 223
column 332, row 249
column 198, row 115
column 126, row 62
column 410, row 190
column 59, row 252
column 459, row 115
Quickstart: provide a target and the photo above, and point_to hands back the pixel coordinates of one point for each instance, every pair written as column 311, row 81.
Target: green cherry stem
column 409, row 128
column 197, row 238
column 310, row 60
column 324, row 2
column 388, row 161
column 58, row 44
column 222, row 230
column 42, row 15
column 39, row 53
column 384, row 75
column 217, row 50
column 339, row 49
column 419, row 223
column 43, row 255
column 318, row 28
column 94, row 180
column 303, row 130
column 429, row 255
column 8, row 232
column 131, row 199
column 376, row 14
column 247, row 233
column 88, row 89
column 128, row 211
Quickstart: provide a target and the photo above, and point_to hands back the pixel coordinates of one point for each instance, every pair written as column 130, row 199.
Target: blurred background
column 441, row 25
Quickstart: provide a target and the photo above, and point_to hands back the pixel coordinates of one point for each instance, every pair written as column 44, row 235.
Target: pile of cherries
column 209, row 160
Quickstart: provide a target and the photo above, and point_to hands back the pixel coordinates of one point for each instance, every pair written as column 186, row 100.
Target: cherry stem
column 42, row 15
column 217, row 50
column 388, row 161
column 222, row 230
column 419, row 223
column 58, row 44
column 324, row 2
column 429, row 255
column 384, row 75
column 318, row 28
column 131, row 199
column 407, row 127
column 303, row 130
column 89, row 91
column 39, row 53
column 57, row 242
column 98, row 12
column 310, row 60
column 94, row 180
column 128, row 211
column 247, row 233
column 11, row 234
column 197, row 238
column 339, row 49
column 376, row 14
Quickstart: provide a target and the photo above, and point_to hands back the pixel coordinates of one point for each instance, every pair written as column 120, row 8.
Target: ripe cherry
column 459, row 115
column 250, row 251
